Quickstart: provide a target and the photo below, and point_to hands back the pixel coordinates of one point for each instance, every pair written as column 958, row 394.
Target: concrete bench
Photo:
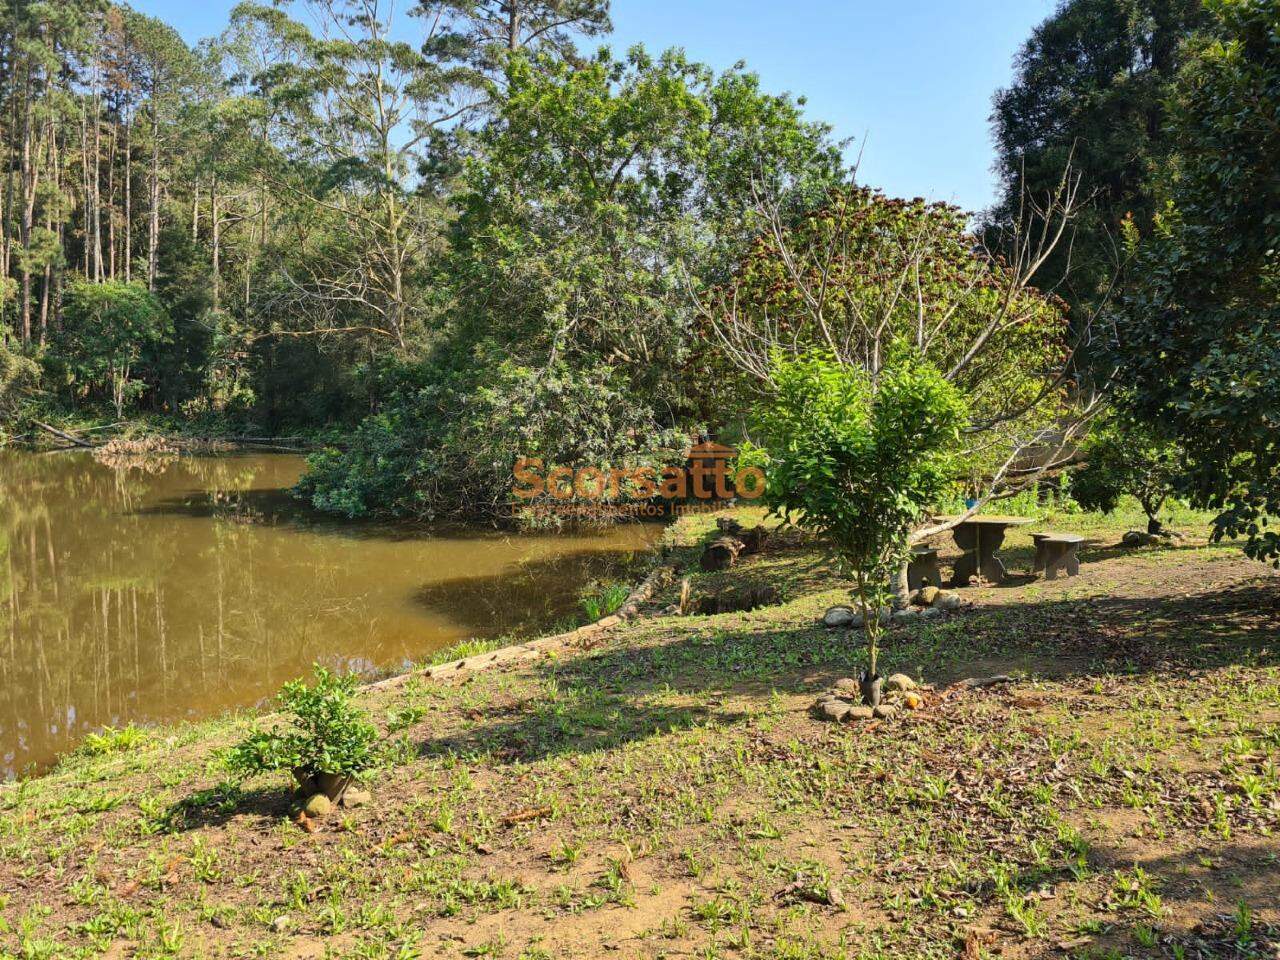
column 923, row 568
column 1056, row 551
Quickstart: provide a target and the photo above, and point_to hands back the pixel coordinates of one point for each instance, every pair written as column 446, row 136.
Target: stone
column 840, row 617
column 355, row 797
column 926, row 596
column 853, row 619
column 1137, row 538
column 886, row 711
column 317, row 805
column 836, row 710
column 281, row 924
column 848, row 685
column 858, row 712
column 931, row 613
column 899, row 682
column 947, row 600
column 907, row 613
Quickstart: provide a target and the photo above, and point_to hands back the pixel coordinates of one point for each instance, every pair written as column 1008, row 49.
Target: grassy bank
column 665, row 792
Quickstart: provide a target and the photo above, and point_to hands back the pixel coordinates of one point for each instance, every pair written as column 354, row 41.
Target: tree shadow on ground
column 220, row 804
column 588, row 722
column 605, row 698
column 1200, row 892
column 790, row 570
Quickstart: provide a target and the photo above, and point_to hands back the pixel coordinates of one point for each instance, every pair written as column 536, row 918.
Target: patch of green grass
column 468, row 648
column 599, row 600
column 112, row 740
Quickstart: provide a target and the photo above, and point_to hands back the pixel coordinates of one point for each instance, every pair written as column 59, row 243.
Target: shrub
column 859, row 460
column 327, row 733
column 1126, row 458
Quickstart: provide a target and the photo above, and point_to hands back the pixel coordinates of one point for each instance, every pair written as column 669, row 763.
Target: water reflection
column 129, row 594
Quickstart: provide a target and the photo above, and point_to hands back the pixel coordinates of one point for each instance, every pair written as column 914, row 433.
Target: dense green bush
column 446, row 446
column 18, row 377
column 110, row 337
column 1127, row 458
column 603, row 193
column 326, row 733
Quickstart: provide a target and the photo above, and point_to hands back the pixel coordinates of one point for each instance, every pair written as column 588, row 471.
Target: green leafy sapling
column 1123, row 457
column 858, row 459
column 326, row 733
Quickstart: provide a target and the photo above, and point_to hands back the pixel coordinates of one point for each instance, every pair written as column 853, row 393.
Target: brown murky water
column 178, row 591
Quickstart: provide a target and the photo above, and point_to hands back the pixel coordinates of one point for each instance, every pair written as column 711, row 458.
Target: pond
column 161, row 590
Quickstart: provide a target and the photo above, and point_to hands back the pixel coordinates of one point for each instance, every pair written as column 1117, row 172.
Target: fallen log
column 63, row 435
column 721, row 554
column 753, row 540
column 738, row 601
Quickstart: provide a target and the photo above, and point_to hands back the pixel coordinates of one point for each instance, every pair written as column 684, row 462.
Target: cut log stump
column 721, row 554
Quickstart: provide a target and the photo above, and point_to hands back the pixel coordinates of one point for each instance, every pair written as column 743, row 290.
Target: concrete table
column 979, row 538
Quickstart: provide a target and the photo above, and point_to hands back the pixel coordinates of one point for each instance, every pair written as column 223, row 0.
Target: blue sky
column 914, row 77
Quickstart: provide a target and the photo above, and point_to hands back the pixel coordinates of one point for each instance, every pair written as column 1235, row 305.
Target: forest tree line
column 467, row 234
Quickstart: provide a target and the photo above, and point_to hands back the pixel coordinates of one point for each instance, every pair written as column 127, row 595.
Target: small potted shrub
column 328, row 743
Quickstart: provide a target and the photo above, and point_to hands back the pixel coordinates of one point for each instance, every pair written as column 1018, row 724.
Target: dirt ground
column 667, row 792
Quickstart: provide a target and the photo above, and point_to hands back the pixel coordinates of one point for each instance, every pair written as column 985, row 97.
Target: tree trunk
column 6, row 211
column 84, row 188
column 128, row 204
column 153, row 198
column 97, row 180
column 28, row 210
column 56, row 295
column 513, row 25
column 52, row 270
column 901, row 588
column 215, row 226
column 111, row 203
column 1152, row 509
column 721, row 554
